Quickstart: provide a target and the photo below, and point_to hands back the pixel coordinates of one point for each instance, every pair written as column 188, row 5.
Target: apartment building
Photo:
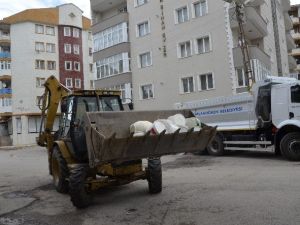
column 189, row 49
column 295, row 52
column 43, row 42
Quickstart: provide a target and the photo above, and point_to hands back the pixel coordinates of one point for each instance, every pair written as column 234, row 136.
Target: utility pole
column 239, row 11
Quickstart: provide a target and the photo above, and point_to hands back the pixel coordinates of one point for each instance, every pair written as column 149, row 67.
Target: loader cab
column 73, row 109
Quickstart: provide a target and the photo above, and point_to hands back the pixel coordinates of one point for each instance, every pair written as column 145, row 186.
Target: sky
column 9, row 7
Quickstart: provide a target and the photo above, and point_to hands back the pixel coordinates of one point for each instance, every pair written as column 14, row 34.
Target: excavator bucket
column 109, row 140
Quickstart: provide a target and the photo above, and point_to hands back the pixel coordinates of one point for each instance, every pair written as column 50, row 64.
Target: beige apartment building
column 34, row 45
column 164, row 52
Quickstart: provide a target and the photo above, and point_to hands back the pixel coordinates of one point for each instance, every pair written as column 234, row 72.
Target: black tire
column 289, row 150
column 80, row 196
column 216, row 147
column 60, row 171
column 154, row 176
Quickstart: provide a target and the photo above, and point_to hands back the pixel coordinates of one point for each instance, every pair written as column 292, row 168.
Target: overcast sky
column 9, row 7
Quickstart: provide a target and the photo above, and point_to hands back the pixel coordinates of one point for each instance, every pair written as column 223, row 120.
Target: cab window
column 295, row 94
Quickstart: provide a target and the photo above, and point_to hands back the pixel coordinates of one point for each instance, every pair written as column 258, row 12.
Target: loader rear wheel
column 216, row 147
column 79, row 192
column 60, row 171
column 154, row 176
column 290, row 146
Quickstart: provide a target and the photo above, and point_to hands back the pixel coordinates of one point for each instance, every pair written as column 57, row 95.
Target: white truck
column 265, row 119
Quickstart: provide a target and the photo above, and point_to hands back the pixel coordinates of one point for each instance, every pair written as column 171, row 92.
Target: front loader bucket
column 109, row 140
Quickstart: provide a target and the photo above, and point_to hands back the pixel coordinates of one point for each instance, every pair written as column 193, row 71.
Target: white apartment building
column 43, row 42
column 187, row 50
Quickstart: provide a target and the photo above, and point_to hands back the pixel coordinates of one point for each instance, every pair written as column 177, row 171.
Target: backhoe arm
column 54, row 92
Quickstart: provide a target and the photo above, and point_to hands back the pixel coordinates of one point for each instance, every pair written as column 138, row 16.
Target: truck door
column 294, row 108
column 280, row 103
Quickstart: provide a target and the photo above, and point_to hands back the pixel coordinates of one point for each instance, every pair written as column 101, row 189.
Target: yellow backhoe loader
column 93, row 147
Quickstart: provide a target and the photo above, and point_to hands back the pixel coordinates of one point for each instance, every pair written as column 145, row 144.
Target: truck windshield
column 295, row 94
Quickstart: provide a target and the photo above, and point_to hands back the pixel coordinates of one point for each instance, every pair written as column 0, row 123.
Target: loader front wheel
column 79, row 192
column 60, row 171
column 154, row 176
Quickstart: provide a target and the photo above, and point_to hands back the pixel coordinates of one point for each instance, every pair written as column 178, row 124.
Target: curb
column 9, row 148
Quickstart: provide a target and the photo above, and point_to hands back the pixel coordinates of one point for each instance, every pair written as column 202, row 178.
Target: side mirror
column 130, row 105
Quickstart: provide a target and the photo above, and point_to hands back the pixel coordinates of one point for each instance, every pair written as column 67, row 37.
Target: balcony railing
column 295, row 20
column 5, row 91
column 5, row 109
column 295, row 52
column 5, row 55
column 4, row 37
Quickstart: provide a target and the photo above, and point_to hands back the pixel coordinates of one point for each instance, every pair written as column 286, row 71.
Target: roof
column 42, row 15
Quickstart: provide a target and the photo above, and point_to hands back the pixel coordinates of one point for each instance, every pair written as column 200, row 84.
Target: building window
column 147, row 91
column 40, row 82
column 242, row 80
column 34, row 123
column 39, row 29
column 76, row 49
column 4, row 65
column 39, row 47
column 91, row 67
column 39, row 100
column 92, row 84
column 203, row 45
column 185, row 49
column 200, row 8
column 143, row 29
column 68, row 48
column 182, row 15
column 77, row 66
column 76, row 32
column 140, row 2
column 50, row 48
column 114, row 65
column 40, row 64
column 206, row 82
column 90, row 51
column 145, row 60
column 68, row 65
column 67, row 31
column 50, row 30
column 187, row 85
column 77, row 83
column 19, row 125
column 51, row 65
column 69, row 82
column 110, row 37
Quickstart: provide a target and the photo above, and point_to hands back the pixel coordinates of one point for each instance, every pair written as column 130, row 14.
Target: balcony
column 104, row 5
column 295, row 35
column 6, row 91
column 288, row 21
column 292, row 62
column 255, row 26
column 295, row 52
column 110, row 22
column 290, row 42
column 295, row 20
column 298, row 67
column 7, row 110
column 4, row 38
column 254, row 53
column 5, row 55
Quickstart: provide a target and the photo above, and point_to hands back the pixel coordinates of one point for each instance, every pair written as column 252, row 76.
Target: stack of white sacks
column 172, row 124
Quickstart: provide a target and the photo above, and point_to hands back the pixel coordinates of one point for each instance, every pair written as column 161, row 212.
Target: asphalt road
column 240, row 188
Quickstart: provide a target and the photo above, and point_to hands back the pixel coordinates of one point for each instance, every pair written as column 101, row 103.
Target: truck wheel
column 154, row 176
column 80, row 195
column 290, row 146
column 60, row 171
column 216, row 147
